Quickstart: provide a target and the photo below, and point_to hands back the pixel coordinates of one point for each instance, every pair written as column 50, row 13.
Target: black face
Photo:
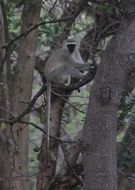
column 71, row 47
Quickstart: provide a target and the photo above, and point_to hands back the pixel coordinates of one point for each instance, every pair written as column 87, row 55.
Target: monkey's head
column 71, row 47
column 70, row 44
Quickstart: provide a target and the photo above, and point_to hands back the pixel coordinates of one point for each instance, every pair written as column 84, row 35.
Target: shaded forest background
column 101, row 129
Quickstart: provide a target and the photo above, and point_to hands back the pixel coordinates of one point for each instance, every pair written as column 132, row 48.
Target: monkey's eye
column 71, row 47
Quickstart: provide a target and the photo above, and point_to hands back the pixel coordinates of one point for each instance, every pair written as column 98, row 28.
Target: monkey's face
column 71, row 47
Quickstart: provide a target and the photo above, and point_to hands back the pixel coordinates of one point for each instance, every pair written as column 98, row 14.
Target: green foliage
column 77, row 188
column 34, row 148
column 128, row 160
column 14, row 17
column 47, row 33
column 105, row 8
column 14, row 26
column 79, row 28
column 120, row 136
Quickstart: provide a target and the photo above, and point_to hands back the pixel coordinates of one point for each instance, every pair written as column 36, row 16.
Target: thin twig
column 107, row 29
column 40, row 128
column 55, row 93
column 51, row 9
column 24, row 34
column 28, row 109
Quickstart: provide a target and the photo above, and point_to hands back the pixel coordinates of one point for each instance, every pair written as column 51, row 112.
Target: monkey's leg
column 48, row 118
column 60, row 76
column 74, row 73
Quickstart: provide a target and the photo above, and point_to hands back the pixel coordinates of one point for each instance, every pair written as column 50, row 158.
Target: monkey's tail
column 48, row 118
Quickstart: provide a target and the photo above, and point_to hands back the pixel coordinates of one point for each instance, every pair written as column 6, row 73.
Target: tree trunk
column 23, row 90
column 5, row 167
column 47, row 170
column 99, row 154
column 3, row 82
column 14, row 166
column 68, row 176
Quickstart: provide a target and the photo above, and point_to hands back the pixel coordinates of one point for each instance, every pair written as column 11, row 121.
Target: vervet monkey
column 63, row 66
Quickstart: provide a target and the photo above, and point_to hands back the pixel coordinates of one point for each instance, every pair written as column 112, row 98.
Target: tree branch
column 24, row 34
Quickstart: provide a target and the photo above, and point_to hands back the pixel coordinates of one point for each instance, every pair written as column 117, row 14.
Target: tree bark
column 14, row 150
column 68, row 176
column 5, row 167
column 47, row 170
column 22, row 93
column 3, row 82
column 99, row 154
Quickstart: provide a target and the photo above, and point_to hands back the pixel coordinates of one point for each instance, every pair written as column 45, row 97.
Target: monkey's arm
column 81, row 67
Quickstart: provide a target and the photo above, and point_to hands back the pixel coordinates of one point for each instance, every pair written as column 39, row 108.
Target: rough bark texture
column 47, row 170
column 22, row 93
column 68, row 175
column 99, row 153
column 5, row 166
column 3, row 106
column 14, row 146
